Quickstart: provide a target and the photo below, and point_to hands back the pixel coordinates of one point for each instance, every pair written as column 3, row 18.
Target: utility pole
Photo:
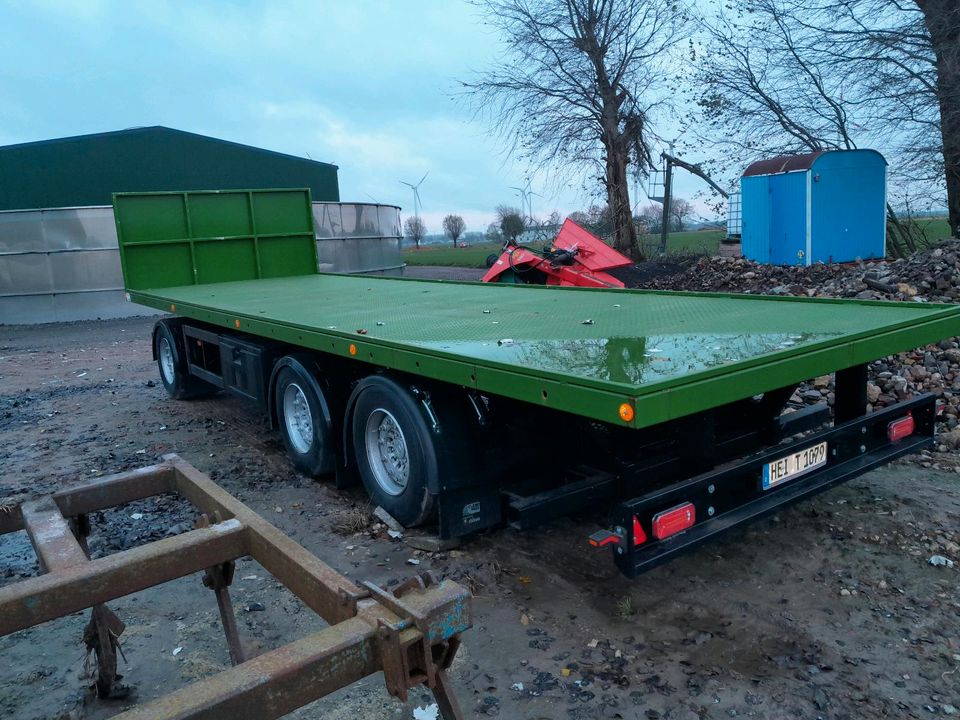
column 667, row 191
column 670, row 160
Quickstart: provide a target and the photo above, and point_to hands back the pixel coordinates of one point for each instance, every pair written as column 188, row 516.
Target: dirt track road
column 828, row 609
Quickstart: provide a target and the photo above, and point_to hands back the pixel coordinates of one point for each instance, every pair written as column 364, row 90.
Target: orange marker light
column 173, row 308
column 353, row 349
column 626, row 412
column 236, row 323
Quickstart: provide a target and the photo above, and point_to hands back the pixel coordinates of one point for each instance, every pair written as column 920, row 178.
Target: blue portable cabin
column 822, row 207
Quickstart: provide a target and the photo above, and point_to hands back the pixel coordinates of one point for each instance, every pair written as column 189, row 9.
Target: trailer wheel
column 172, row 364
column 394, row 452
column 304, row 422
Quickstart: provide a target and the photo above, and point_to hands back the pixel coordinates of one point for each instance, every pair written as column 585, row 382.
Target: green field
column 695, row 242
column 702, row 242
column 933, row 229
column 473, row 256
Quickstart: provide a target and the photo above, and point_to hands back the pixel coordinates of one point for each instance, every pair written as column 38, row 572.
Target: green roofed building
column 87, row 169
column 59, row 258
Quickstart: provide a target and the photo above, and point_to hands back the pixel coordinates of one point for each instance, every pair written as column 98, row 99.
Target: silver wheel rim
column 167, row 367
column 297, row 418
column 387, row 452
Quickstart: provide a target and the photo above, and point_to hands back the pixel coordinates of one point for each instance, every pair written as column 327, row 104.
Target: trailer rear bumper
column 717, row 501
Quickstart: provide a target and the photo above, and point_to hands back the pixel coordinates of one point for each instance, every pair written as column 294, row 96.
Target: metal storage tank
column 821, row 207
column 63, row 264
column 358, row 238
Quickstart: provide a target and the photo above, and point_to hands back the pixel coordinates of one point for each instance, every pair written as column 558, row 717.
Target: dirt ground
column 827, row 610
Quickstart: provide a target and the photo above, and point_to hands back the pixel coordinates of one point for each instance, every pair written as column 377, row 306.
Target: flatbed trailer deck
column 583, row 351
column 472, row 390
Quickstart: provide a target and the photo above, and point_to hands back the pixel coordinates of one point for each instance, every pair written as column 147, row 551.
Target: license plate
column 794, row 465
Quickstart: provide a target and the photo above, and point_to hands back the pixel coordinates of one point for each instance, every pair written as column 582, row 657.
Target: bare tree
column 791, row 76
column 680, row 212
column 493, row 234
column 941, row 19
column 597, row 219
column 651, row 217
column 454, row 226
column 414, row 228
column 578, row 85
column 511, row 222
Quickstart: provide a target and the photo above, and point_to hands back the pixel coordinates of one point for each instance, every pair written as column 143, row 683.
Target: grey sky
column 364, row 84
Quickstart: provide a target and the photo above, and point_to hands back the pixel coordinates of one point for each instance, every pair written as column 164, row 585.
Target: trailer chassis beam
column 733, row 496
column 411, row 634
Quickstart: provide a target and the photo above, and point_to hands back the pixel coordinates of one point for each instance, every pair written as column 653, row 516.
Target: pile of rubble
column 928, row 276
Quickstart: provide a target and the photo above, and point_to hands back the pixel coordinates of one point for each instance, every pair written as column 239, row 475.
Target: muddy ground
column 827, row 610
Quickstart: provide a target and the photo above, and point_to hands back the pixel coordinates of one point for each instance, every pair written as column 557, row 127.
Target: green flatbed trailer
column 480, row 402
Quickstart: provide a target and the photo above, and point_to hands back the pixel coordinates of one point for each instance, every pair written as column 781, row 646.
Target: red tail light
column 670, row 522
column 639, row 536
column 899, row 429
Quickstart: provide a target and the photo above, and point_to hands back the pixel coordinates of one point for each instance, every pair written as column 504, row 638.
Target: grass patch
column 933, row 229
column 474, row 256
column 625, row 608
column 348, row 522
column 691, row 242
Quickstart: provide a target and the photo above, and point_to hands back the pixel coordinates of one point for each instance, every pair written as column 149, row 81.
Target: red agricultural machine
column 576, row 257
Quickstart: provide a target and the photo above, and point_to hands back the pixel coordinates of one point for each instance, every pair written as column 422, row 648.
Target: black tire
column 492, row 259
column 306, row 430
column 172, row 365
column 384, row 407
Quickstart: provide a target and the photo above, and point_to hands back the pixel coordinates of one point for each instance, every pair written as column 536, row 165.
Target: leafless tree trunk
column 577, row 88
column 942, row 20
column 453, row 226
column 415, row 229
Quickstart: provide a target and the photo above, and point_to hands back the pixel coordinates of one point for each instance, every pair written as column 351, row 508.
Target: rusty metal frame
column 410, row 633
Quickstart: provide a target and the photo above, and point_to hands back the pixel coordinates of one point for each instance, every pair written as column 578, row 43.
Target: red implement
column 576, row 258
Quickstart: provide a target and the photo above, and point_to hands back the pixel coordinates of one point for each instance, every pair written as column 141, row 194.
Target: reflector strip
column 677, row 519
column 899, row 429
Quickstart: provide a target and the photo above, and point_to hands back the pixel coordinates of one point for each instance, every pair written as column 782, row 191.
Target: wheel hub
column 167, row 367
column 387, row 451
column 297, row 418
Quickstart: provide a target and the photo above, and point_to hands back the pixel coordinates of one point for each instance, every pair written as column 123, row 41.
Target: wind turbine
column 416, row 193
column 526, row 204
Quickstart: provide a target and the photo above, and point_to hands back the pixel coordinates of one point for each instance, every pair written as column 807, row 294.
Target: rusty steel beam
column 36, row 600
column 277, row 682
column 410, row 633
column 116, row 490
column 55, row 544
column 445, row 696
column 325, row 591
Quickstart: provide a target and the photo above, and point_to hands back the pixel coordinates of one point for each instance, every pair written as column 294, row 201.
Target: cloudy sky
column 364, row 84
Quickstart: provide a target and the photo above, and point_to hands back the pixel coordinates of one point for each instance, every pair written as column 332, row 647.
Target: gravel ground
column 829, row 609
column 439, row 272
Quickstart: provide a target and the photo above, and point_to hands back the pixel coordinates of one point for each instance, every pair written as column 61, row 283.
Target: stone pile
column 927, row 276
